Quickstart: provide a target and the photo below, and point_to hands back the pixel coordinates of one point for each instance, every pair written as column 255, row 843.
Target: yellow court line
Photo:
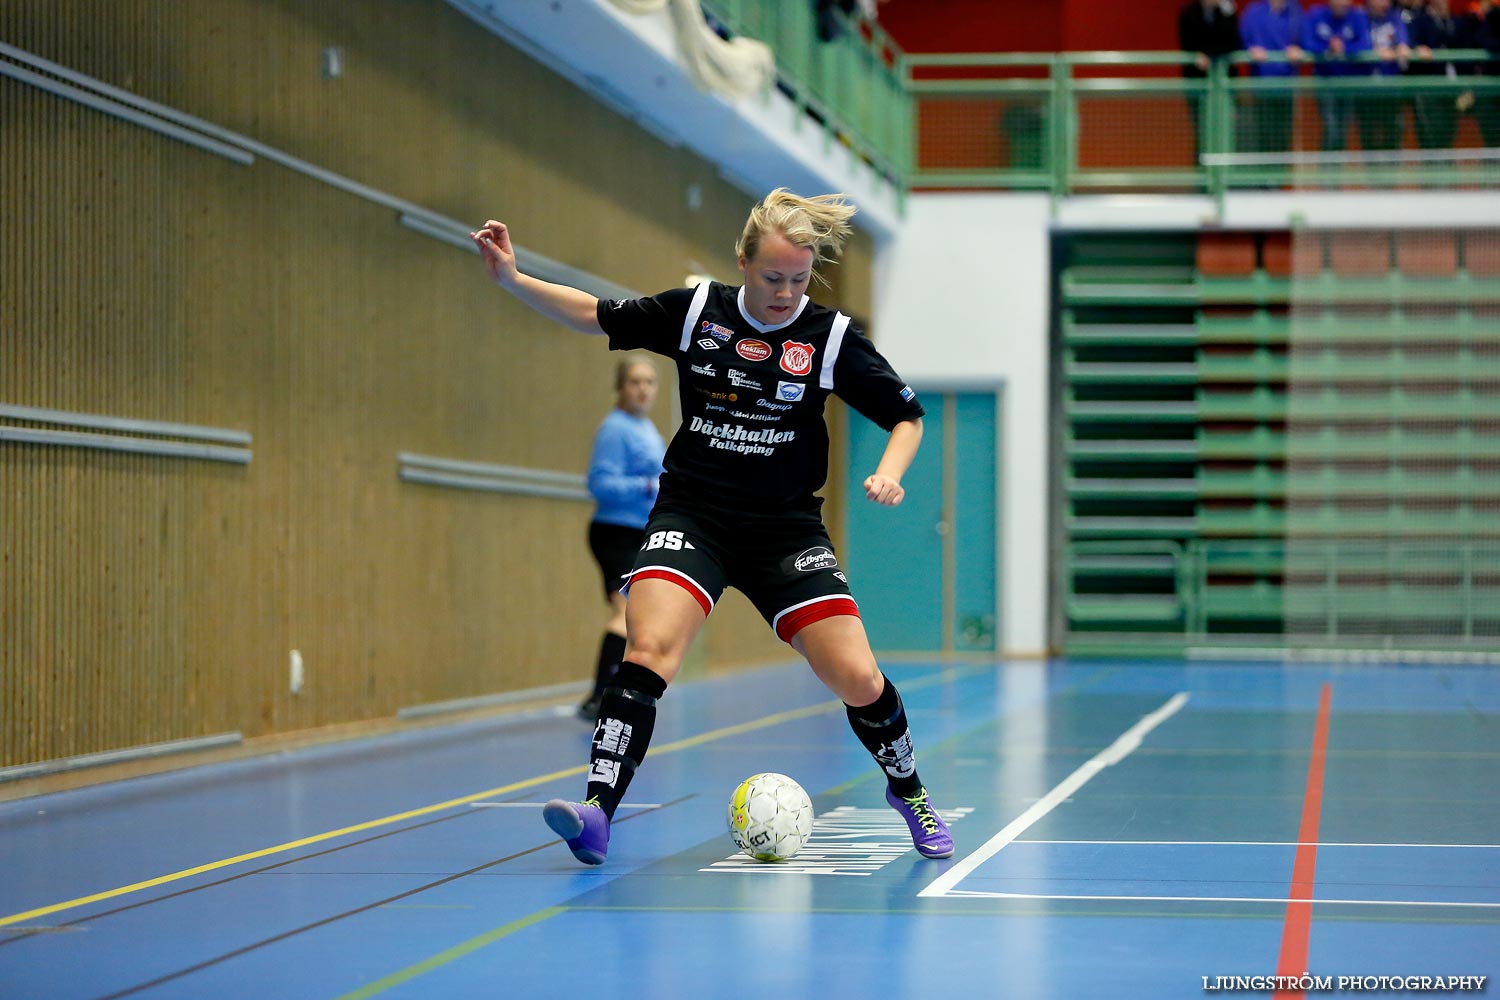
column 458, row 951
column 683, row 744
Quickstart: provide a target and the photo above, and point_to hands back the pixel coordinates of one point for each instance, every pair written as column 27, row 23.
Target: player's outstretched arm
column 884, row 487
column 572, row 307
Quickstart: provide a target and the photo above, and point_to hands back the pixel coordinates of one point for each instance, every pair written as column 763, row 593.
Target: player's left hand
column 883, row 490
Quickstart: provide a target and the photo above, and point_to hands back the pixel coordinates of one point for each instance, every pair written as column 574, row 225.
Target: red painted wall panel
column 1031, row 25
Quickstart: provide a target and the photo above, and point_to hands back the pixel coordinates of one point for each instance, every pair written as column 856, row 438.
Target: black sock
column 611, row 652
column 882, row 728
column 627, row 714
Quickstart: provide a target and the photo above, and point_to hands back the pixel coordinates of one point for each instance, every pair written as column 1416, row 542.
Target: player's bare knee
column 863, row 686
column 661, row 658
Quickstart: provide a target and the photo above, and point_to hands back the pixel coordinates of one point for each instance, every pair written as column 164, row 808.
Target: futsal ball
column 770, row 817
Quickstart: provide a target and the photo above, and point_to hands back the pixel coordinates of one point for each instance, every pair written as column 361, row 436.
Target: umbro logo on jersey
column 708, row 345
column 790, row 391
column 716, row 331
column 796, row 358
column 753, row 350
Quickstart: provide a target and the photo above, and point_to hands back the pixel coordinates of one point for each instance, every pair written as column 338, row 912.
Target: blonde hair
column 622, row 370
column 820, row 224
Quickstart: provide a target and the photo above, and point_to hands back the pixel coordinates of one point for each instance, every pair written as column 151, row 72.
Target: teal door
column 925, row 573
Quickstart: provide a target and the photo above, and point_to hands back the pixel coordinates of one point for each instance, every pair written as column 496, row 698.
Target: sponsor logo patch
column 708, row 345
column 816, row 558
column 790, row 391
column 907, row 394
column 767, row 404
column 716, row 331
column 705, row 370
column 753, row 350
column 726, row 436
column 796, row 358
column 743, row 381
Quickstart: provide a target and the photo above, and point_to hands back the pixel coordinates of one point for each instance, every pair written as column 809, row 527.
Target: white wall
column 962, row 295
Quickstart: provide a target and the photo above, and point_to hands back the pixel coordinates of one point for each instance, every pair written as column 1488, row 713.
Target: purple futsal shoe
column 928, row 831
column 584, row 827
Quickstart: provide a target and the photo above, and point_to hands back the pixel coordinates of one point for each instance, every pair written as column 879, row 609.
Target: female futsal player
column 624, row 476
column 737, row 508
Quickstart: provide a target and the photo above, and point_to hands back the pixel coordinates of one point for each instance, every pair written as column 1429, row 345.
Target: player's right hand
column 493, row 241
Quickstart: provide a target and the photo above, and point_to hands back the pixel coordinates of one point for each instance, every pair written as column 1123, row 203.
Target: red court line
column 1298, row 923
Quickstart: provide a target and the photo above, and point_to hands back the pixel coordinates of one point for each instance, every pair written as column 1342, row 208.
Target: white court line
column 972, row 894
column 1112, row 754
column 1249, row 843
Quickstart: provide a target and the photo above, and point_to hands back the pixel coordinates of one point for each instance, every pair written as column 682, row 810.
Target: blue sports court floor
column 1124, row 830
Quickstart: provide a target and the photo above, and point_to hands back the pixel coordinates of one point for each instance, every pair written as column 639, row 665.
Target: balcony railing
column 1094, row 121
column 1130, row 122
column 1123, row 121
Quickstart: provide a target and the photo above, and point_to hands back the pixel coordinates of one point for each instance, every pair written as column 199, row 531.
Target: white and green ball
column 770, row 817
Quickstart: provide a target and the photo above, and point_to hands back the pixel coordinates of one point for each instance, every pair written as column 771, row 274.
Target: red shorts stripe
column 789, row 623
column 682, row 580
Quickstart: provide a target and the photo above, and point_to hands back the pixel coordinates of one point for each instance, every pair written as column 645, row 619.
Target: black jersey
column 752, row 395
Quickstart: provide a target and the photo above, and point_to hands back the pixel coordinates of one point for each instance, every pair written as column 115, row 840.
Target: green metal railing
column 1111, row 120
column 853, row 83
column 1312, row 592
column 1095, row 121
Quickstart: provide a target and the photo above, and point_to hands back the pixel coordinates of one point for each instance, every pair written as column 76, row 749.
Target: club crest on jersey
column 816, row 558
column 790, row 391
column 796, row 358
column 753, row 350
column 716, row 331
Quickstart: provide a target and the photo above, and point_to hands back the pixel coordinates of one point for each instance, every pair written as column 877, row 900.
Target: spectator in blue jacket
column 1381, row 123
column 1337, row 33
column 1435, row 112
column 624, row 476
column 1271, row 29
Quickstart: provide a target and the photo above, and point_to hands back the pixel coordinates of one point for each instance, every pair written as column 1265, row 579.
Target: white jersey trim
column 762, row 327
column 816, row 600
column 694, row 311
column 673, row 570
column 831, row 352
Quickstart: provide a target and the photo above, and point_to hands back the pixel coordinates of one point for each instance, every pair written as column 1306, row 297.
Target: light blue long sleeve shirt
column 625, row 469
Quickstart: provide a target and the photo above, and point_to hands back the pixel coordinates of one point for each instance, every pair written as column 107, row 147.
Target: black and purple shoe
column 928, row 831
column 583, row 826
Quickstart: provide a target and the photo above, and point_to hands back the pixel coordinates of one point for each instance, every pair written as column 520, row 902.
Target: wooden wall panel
column 146, row 598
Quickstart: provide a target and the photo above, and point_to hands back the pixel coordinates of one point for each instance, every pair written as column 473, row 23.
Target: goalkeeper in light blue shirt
column 624, row 477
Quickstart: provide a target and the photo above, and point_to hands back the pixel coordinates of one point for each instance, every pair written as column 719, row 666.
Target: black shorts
column 614, row 547
column 783, row 561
